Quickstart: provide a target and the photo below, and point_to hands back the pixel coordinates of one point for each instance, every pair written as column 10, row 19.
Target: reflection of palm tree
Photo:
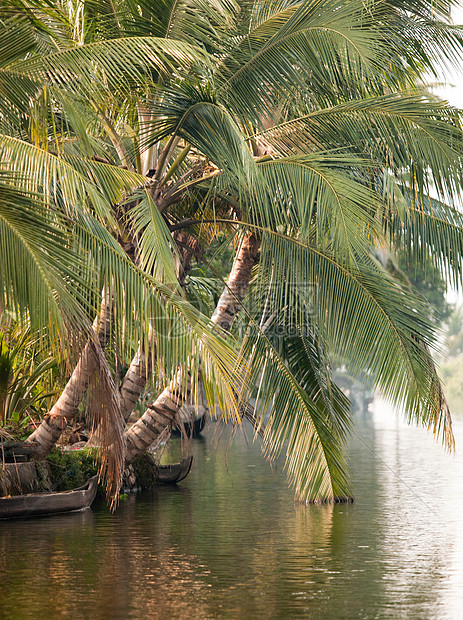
column 263, row 120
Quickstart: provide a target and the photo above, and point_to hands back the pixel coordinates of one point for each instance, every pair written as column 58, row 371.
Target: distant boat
column 171, row 474
column 193, row 421
column 34, row 504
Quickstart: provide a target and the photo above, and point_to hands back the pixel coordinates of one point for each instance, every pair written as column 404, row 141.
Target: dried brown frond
column 106, row 425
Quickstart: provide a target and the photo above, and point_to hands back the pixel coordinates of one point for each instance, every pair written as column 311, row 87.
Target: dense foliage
column 134, row 135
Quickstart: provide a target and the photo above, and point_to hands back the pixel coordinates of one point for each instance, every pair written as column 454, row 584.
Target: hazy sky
column 454, row 91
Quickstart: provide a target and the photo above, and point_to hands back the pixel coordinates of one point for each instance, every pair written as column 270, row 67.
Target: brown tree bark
column 160, row 415
column 137, row 375
column 134, row 382
column 63, row 411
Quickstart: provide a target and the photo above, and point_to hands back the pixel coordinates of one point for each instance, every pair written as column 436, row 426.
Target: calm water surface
column 229, row 542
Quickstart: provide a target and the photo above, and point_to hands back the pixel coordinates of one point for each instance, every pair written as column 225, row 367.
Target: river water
column 229, row 541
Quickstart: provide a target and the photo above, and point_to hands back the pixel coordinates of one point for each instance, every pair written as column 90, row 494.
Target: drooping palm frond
column 417, row 137
column 364, row 317
column 308, row 361
column 41, row 277
column 294, row 422
column 16, row 41
column 422, row 35
column 432, row 231
column 156, row 249
column 73, row 182
column 320, row 197
column 103, row 413
column 147, row 309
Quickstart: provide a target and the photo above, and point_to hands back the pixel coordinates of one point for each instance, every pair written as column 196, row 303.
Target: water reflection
column 229, row 542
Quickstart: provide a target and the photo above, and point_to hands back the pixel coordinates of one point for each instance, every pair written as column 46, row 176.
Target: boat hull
column 171, row 474
column 35, row 504
column 192, row 428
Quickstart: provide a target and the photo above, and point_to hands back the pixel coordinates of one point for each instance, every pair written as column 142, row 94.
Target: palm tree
column 53, row 206
column 300, row 125
column 369, row 157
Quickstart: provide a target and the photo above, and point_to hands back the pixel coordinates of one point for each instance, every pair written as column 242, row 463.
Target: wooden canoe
column 192, row 427
column 33, row 504
column 171, row 474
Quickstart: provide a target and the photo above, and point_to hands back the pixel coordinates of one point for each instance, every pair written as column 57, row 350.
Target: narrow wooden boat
column 192, row 427
column 33, row 504
column 171, row 474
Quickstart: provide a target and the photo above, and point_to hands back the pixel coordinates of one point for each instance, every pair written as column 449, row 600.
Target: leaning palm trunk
column 134, row 382
column 159, row 417
column 63, row 411
column 137, row 374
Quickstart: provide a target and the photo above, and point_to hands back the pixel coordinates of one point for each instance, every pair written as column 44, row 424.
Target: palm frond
column 320, row 196
column 68, row 181
column 151, row 312
column 362, row 316
column 156, row 248
column 417, row 137
column 41, row 278
column 432, row 231
column 192, row 113
column 113, row 64
column 193, row 21
column 16, row 41
column 293, row 422
column 287, row 45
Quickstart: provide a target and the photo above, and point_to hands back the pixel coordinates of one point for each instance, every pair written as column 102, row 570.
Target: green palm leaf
column 180, row 335
column 293, row 422
column 409, row 133
column 40, row 276
column 433, row 231
column 73, row 181
column 320, row 196
column 156, row 252
column 114, row 64
column 287, row 44
column 365, row 318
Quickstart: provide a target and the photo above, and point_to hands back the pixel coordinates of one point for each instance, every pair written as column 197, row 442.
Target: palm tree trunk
column 160, row 416
column 233, row 294
column 137, row 375
column 63, row 411
column 134, row 381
